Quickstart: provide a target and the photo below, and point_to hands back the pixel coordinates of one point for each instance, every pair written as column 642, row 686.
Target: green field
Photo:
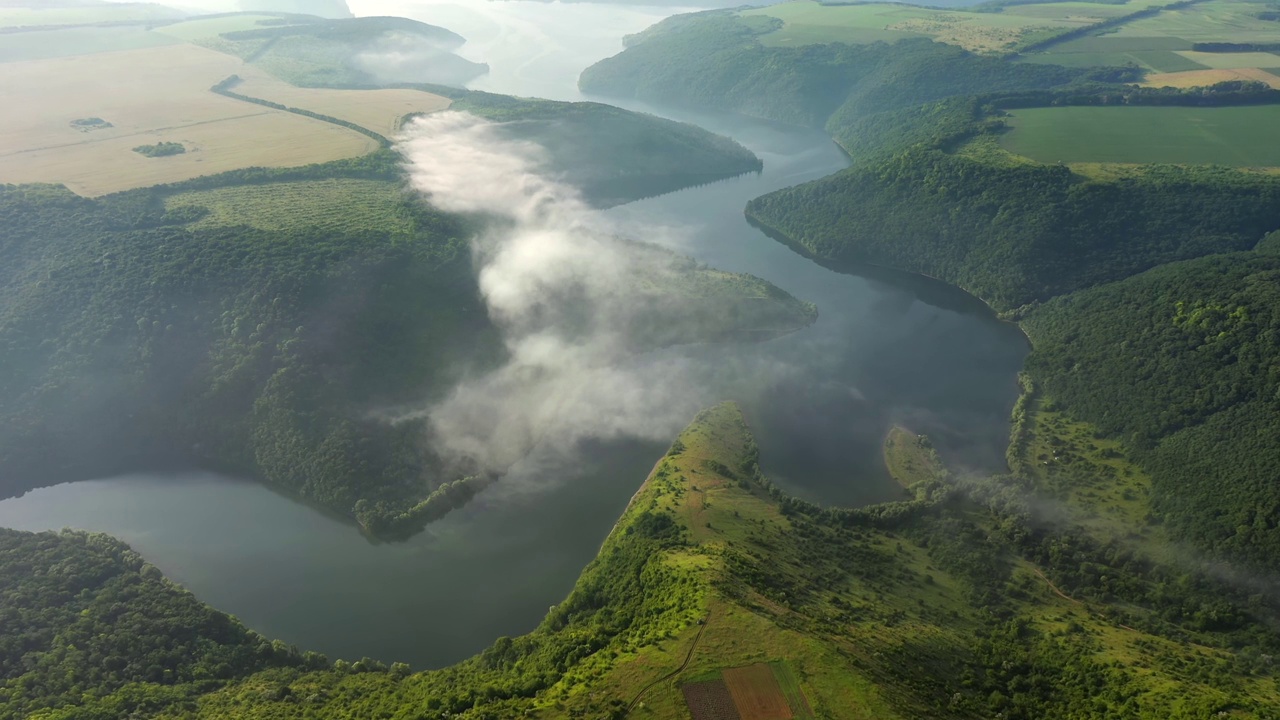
column 336, row 205
column 1237, row 136
column 1073, row 10
column 37, row 15
column 1159, row 54
column 214, row 26
column 1161, row 61
column 66, row 42
column 1214, row 21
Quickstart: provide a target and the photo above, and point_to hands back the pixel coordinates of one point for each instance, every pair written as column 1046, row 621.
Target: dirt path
column 1055, row 589
column 689, row 656
column 1088, row 609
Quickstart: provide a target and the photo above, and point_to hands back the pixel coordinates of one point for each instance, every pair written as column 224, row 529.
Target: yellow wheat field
column 1203, row 78
column 148, row 96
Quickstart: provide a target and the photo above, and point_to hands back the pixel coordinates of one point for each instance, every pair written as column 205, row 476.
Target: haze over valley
column 508, row 359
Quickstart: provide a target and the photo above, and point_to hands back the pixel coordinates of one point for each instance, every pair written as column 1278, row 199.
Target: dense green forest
column 714, row 60
column 352, row 52
column 140, row 334
column 649, row 155
column 1017, row 233
column 1109, row 254
column 1181, row 362
column 966, row 602
column 85, row 618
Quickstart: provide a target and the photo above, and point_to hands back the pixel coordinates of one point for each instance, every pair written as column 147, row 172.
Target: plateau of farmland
column 1236, row 136
column 168, row 99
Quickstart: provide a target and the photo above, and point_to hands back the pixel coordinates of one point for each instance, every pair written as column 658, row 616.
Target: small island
column 163, row 149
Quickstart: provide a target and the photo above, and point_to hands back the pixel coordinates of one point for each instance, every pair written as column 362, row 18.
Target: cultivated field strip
column 146, row 97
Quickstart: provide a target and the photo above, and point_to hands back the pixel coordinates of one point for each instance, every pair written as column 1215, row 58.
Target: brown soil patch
column 710, row 701
column 756, row 693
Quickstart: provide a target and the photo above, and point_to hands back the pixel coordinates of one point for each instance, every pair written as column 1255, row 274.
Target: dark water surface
column 888, row 348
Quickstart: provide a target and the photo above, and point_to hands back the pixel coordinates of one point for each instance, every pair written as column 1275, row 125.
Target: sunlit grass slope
column 941, row 607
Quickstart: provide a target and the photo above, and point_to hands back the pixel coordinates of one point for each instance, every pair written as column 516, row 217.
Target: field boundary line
column 1107, row 24
column 688, row 656
column 224, row 88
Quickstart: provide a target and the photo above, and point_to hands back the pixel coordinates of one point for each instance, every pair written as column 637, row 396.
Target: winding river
column 888, row 348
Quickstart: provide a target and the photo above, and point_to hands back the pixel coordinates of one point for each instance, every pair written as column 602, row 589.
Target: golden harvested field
column 1202, row 78
column 148, row 96
column 259, row 139
column 376, row 110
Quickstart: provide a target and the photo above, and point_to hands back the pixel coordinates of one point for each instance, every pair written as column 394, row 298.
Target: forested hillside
column 85, row 618
column 351, row 52
column 966, row 602
column 1156, row 326
column 715, row 60
column 1181, row 363
column 647, row 155
column 251, row 322
column 1016, row 233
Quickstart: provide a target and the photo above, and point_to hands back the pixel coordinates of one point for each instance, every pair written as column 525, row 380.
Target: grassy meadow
column 874, row 635
column 1233, row 21
column 1163, row 43
column 338, row 205
column 1234, row 136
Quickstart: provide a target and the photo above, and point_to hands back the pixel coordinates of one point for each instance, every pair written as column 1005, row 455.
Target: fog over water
column 534, row 49
column 886, row 348
column 556, row 283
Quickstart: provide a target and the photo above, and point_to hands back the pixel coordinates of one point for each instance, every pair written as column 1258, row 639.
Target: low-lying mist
column 561, row 290
column 398, row 57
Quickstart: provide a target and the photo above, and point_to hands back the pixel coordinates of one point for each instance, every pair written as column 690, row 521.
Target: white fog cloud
column 555, row 283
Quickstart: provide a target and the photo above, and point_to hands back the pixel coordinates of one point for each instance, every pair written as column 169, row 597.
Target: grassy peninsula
column 250, row 322
column 967, row 601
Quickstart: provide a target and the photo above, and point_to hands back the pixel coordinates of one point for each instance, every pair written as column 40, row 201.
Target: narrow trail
column 1068, row 598
column 1055, row 589
column 688, row 657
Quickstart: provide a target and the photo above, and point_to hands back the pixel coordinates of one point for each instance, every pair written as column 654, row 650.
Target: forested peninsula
column 250, row 322
column 1144, row 288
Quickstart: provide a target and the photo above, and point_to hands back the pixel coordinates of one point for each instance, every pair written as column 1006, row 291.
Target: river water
column 887, row 348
